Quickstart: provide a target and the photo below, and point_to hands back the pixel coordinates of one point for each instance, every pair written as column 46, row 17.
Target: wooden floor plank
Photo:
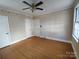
column 38, row 48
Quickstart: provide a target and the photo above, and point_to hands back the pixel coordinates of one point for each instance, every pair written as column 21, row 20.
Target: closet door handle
column 7, row 33
column 40, row 25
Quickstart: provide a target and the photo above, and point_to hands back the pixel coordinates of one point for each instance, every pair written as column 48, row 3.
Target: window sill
column 75, row 38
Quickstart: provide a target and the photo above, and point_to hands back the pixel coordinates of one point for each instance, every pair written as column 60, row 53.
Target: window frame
column 75, row 21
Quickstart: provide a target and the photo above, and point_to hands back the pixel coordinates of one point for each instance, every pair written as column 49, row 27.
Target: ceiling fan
column 33, row 6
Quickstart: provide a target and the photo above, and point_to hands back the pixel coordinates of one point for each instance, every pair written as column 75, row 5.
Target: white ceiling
column 48, row 6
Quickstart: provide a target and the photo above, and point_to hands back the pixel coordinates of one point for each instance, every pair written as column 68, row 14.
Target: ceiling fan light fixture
column 33, row 6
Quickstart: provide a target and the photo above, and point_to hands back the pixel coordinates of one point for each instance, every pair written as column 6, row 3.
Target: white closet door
column 4, row 31
column 36, row 27
column 44, row 28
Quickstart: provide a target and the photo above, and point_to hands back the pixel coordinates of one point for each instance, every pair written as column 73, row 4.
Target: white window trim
column 77, row 6
column 75, row 38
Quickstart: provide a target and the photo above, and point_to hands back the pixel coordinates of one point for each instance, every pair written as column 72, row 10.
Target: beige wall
column 55, row 25
column 20, row 26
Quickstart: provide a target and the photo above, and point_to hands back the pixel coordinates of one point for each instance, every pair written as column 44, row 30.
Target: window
column 76, row 24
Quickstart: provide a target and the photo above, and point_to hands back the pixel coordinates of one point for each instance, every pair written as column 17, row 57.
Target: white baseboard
column 61, row 40
column 74, row 51
column 17, row 41
column 20, row 40
column 58, row 40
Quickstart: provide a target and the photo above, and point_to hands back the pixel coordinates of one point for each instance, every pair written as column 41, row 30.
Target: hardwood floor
column 38, row 48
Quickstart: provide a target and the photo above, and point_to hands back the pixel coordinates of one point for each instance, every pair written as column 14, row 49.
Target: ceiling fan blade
column 39, row 8
column 39, row 3
column 27, row 3
column 25, row 8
